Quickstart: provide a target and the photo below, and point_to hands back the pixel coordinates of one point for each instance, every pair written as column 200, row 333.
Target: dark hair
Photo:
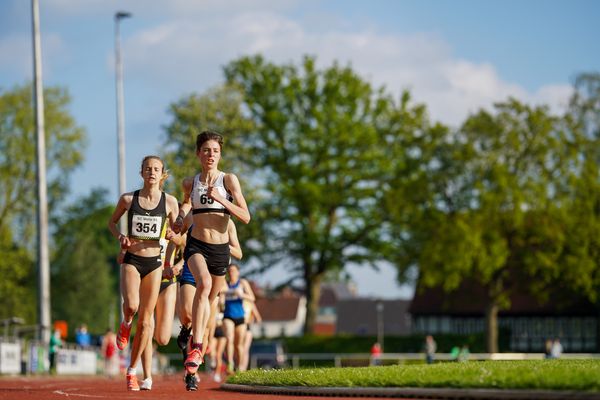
column 234, row 265
column 206, row 136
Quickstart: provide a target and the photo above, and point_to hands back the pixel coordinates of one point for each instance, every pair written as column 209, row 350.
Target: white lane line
column 74, row 394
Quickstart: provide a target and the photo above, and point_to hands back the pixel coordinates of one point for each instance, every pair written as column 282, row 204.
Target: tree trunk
column 491, row 327
column 313, row 295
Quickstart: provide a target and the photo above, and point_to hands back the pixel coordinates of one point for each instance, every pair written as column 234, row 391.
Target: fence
column 10, row 357
column 31, row 357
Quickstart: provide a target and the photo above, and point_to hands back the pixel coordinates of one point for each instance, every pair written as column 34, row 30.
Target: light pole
column 120, row 107
column 380, row 338
column 43, row 272
column 120, row 119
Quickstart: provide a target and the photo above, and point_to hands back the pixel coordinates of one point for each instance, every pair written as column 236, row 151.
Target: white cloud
column 185, row 55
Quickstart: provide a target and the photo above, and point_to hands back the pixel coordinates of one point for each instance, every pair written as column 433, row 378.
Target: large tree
column 491, row 206
column 65, row 141
column 312, row 157
column 581, row 257
column 320, row 155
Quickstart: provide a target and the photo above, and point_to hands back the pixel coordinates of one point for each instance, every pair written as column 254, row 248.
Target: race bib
column 163, row 248
column 146, row 226
column 202, row 196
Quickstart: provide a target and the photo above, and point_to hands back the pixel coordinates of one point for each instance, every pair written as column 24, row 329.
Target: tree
column 311, row 156
column 64, row 142
column 319, row 153
column 491, row 208
column 582, row 251
column 84, row 270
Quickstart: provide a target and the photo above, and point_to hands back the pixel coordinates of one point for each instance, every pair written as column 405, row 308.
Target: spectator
column 430, row 349
column 82, row 336
column 110, row 353
column 55, row 343
column 454, row 353
column 557, row 349
column 376, row 354
column 548, row 349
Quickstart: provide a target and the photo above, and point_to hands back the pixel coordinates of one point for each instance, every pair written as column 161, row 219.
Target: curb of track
column 422, row 393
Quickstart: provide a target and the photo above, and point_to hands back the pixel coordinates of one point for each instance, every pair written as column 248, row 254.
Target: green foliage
column 490, row 204
column 579, row 375
column 18, row 280
column 319, row 154
column 84, row 270
column 500, row 211
column 582, row 248
column 65, row 142
column 64, row 152
column 307, row 145
column 220, row 110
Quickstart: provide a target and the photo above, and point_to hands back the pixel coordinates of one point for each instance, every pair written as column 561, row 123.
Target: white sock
column 131, row 371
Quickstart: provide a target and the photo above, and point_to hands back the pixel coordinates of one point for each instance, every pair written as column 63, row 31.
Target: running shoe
column 230, row 370
column 123, row 335
column 191, row 383
column 132, row 383
column 146, row 384
column 182, row 340
column 193, row 361
column 217, row 378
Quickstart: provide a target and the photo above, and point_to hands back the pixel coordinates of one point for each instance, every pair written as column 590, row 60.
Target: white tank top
column 201, row 203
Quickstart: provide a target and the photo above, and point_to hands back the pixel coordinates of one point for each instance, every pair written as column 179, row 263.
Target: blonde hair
column 165, row 172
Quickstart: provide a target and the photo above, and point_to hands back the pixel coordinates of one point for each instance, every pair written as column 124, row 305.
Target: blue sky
column 455, row 56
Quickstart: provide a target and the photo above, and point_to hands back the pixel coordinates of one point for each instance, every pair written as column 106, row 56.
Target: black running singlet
column 147, row 224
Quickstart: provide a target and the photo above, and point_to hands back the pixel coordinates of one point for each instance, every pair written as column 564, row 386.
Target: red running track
column 91, row 388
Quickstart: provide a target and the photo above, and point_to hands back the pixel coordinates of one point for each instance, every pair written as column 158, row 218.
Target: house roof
column 331, row 293
column 278, row 308
column 470, row 300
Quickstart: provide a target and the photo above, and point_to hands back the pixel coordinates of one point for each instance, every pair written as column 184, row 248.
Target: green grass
column 581, row 375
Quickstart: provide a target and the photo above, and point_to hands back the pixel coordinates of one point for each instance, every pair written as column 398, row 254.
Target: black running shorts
column 144, row 265
column 216, row 255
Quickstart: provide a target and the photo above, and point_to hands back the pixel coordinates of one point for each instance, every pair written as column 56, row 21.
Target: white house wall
column 272, row 329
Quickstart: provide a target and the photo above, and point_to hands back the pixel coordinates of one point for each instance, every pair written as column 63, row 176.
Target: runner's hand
column 213, row 193
column 178, row 224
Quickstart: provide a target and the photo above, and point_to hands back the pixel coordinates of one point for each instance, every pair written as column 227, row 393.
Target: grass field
column 581, row 375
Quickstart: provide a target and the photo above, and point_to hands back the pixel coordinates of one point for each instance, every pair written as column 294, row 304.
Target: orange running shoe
column 132, row 383
column 193, row 361
column 123, row 336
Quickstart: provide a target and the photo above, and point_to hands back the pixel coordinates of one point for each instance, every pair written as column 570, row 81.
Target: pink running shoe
column 123, row 336
column 132, row 383
column 193, row 361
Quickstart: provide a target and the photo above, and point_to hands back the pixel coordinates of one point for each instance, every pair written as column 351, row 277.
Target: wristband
column 167, row 264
